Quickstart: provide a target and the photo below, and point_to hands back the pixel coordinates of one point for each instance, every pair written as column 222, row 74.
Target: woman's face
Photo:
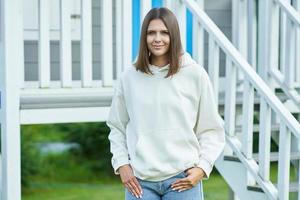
column 158, row 38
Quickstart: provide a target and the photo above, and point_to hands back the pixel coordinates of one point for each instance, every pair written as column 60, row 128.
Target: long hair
column 175, row 49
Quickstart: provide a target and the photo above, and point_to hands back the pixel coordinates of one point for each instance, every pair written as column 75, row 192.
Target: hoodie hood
column 185, row 60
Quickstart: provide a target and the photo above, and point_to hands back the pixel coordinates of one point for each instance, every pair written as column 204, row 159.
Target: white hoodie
column 163, row 126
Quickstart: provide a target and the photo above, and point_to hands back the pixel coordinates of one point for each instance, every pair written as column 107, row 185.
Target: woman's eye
column 150, row 32
column 165, row 32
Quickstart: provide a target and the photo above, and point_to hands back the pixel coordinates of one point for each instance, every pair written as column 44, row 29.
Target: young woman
column 166, row 132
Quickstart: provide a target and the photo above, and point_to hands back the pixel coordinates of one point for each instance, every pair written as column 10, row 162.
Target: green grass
column 103, row 187
column 107, row 189
column 62, row 177
column 75, row 191
column 69, row 176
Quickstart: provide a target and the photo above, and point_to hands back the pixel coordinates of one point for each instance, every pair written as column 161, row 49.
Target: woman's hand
column 195, row 174
column 130, row 181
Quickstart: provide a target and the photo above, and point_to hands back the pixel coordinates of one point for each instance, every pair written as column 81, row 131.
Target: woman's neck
column 159, row 61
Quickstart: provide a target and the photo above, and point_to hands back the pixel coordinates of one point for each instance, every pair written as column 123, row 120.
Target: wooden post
column 252, row 35
column 198, row 38
column 180, row 11
column 214, row 65
column 126, row 33
column 65, row 44
column 145, row 8
column 297, row 51
column 107, row 43
column 119, row 31
column 11, row 62
column 86, row 43
column 44, row 44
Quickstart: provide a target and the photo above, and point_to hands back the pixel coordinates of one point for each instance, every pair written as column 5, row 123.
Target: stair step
column 274, row 156
column 274, row 127
column 237, row 180
column 293, row 187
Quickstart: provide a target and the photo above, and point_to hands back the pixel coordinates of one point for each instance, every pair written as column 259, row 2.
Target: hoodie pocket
column 163, row 151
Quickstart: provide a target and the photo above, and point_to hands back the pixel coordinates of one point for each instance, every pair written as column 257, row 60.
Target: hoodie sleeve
column 209, row 127
column 117, row 122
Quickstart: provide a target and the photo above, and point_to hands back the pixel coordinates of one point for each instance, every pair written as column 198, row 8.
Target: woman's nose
column 157, row 38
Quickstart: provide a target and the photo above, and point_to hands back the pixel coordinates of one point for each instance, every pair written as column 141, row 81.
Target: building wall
column 219, row 11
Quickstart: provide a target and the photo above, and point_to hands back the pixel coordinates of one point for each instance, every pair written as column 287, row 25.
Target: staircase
column 251, row 177
column 258, row 96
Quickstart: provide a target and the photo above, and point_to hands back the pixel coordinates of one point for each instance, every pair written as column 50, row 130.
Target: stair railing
column 253, row 84
column 284, row 26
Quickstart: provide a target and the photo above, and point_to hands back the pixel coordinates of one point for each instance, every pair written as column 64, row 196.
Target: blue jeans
column 161, row 190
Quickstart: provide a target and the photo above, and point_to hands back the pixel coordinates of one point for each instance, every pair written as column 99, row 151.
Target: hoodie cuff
column 206, row 166
column 116, row 163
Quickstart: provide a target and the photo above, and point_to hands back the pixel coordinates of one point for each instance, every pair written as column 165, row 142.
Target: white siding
column 220, row 13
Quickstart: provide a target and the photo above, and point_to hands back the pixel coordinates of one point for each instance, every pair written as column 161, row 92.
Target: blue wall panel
column 157, row 3
column 189, row 32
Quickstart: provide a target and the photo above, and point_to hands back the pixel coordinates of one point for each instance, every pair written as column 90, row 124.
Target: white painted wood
column 65, row 44
column 145, row 8
column 126, row 33
column 242, row 27
column 290, row 54
column 44, row 44
column 282, row 42
column 264, row 19
column 274, row 41
column 264, row 139
column 291, row 13
column 230, row 97
column 213, row 65
column 297, row 7
column 180, row 12
column 292, row 94
column 235, row 24
column 269, row 189
column 241, row 31
column 284, row 162
column 64, row 115
column 247, row 126
column 56, row 84
column 198, row 38
column 119, row 48
column 235, row 174
column 263, row 39
column 11, row 62
column 107, row 42
column 30, row 19
column 248, row 108
column 249, row 73
column 252, row 34
column 86, row 43
column 171, row 4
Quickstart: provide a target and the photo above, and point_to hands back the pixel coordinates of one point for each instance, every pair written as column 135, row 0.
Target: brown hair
column 175, row 50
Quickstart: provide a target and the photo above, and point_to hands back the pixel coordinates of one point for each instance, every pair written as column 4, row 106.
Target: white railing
column 279, row 23
column 269, row 103
column 64, row 34
column 287, row 73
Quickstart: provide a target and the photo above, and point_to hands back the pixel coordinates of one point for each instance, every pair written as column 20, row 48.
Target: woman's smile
column 158, row 46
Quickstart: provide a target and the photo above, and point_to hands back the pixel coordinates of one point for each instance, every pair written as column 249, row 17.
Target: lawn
column 110, row 190
column 87, row 174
